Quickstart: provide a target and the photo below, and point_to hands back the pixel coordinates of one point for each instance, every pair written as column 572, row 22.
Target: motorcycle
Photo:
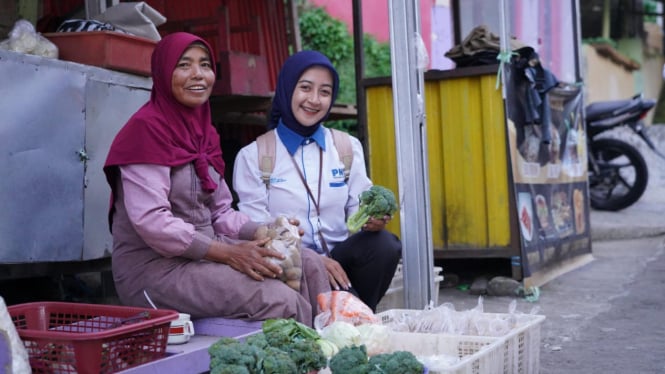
column 618, row 173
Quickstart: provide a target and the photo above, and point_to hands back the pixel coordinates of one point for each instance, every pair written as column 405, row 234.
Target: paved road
column 607, row 316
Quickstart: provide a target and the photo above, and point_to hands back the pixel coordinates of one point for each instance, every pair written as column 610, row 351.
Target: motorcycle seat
column 603, row 109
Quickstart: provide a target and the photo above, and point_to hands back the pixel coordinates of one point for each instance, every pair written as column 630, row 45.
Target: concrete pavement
column 605, row 316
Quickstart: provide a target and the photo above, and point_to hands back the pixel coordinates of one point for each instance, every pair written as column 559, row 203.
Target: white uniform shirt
column 288, row 196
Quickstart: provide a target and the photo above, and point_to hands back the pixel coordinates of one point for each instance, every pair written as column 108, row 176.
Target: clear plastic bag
column 342, row 306
column 445, row 319
column 285, row 239
column 23, row 38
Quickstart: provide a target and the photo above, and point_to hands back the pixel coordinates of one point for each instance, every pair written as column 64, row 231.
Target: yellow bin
column 471, row 196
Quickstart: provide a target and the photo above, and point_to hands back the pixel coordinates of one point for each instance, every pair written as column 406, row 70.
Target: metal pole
column 606, row 19
column 411, row 149
column 504, row 43
column 292, row 20
column 92, row 8
column 577, row 34
column 359, row 53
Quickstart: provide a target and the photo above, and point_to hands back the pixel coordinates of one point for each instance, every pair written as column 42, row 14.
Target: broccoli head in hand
column 377, row 201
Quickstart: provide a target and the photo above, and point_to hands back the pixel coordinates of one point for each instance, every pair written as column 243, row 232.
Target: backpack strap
column 342, row 142
column 266, row 153
column 266, row 149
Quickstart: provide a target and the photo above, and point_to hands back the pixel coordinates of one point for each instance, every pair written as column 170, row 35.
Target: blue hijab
column 291, row 71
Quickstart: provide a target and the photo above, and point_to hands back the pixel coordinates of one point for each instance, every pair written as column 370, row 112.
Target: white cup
column 181, row 330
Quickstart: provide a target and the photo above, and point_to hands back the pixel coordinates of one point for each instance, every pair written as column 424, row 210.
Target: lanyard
column 315, row 201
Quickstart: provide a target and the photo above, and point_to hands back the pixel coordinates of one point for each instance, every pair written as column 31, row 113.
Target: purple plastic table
column 192, row 357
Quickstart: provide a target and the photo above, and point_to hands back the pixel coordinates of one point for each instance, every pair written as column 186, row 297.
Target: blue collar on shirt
column 293, row 140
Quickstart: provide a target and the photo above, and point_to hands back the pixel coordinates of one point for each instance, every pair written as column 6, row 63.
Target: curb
column 609, row 232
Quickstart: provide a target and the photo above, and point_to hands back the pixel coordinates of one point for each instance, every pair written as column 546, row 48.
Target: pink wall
column 375, row 17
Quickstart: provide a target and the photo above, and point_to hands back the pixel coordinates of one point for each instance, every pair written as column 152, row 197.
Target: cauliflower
column 342, row 334
column 374, row 336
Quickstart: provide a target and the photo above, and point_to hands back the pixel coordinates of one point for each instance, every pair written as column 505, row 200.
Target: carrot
column 344, row 306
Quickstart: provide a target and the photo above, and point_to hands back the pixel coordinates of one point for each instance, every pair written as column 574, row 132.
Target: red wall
column 254, row 26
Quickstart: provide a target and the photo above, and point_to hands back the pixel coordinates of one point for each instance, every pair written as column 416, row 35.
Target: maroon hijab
column 164, row 131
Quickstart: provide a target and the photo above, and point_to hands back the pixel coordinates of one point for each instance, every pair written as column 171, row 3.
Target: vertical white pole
column 504, row 43
column 411, row 148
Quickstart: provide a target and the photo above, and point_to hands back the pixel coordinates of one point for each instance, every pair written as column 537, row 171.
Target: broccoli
column 289, row 327
column 284, row 346
column 229, row 369
column 296, row 339
column 377, row 201
column 399, row 362
column 230, row 352
column 277, row 361
column 307, row 354
column 354, row 360
column 351, row 359
column 257, row 340
column 277, row 338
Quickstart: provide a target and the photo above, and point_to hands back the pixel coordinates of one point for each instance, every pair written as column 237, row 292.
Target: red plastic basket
column 63, row 337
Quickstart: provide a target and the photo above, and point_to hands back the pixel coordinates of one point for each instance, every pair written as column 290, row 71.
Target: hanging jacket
column 529, row 84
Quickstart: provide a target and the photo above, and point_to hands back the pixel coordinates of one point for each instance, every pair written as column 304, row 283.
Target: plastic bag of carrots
column 342, row 306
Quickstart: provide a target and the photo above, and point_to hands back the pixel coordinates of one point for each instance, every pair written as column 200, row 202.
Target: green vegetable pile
column 354, row 360
column 283, row 346
column 377, row 201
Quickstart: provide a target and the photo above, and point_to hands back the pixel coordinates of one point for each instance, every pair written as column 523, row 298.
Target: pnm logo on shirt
column 337, row 173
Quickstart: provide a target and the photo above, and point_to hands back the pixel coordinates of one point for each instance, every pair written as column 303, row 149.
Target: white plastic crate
column 521, row 343
column 394, row 297
column 475, row 354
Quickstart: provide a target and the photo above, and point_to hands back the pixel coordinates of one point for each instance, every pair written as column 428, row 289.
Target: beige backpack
column 266, row 149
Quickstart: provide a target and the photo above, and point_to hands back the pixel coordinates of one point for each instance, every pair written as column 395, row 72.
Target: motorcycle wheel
column 621, row 177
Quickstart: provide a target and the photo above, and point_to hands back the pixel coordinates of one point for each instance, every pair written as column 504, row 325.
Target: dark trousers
column 369, row 258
